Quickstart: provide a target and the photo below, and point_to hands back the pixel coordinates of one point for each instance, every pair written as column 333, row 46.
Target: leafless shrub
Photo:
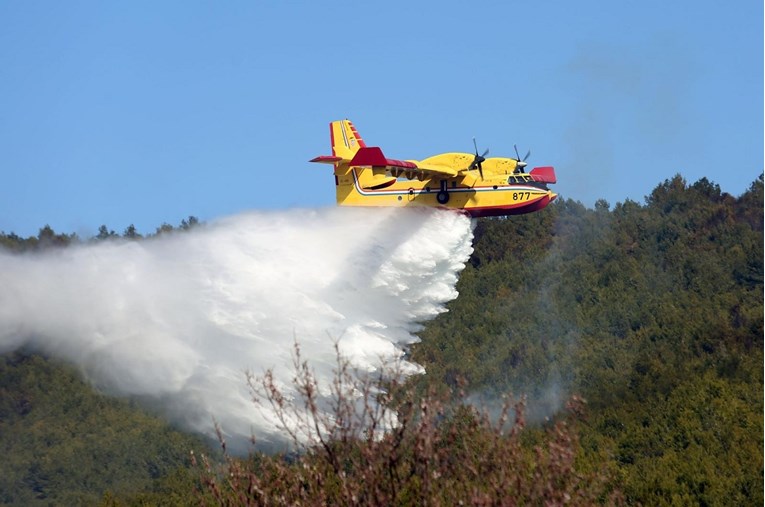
column 372, row 441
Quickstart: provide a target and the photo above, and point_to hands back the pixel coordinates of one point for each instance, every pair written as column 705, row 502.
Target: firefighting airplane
column 467, row 182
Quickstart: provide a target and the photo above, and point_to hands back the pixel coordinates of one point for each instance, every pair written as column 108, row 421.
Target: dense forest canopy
column 64, row 444
column 653, row 313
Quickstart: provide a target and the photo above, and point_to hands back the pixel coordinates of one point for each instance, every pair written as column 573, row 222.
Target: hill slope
column 653, row 313
column 64, row 444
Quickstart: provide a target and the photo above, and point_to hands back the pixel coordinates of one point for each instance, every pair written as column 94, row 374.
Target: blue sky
column 147, row 112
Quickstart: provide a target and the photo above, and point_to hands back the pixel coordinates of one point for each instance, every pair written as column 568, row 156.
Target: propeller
column 520, row 163
column 478, row 159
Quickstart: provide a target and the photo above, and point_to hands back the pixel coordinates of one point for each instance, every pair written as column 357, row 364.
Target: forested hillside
column 652, row 312
column 64, row 444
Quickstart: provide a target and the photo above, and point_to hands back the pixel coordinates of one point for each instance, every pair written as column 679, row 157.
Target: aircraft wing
column 373, row 156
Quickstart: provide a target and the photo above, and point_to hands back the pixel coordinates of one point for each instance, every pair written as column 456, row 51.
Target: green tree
column 131, row 232
column 105, row 233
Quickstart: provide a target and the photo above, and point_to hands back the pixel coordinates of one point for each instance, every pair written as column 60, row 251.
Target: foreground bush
column 352, row 449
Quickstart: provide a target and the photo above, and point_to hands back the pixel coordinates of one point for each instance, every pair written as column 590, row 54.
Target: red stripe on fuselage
column 513, row 209
column 332, row 139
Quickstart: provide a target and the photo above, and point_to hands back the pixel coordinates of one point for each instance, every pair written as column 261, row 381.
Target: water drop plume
column 178, row 319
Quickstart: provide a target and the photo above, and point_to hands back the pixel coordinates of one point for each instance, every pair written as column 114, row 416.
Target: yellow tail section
column 346, row 140
column 351, row 181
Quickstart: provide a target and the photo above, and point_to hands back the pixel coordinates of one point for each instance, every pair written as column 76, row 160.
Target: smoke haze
column 178, row 319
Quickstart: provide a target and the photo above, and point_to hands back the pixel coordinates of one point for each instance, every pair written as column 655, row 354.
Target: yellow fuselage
column 459, row 181
column 502, row 191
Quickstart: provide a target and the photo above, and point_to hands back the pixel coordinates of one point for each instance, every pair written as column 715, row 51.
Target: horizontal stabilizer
column 544, row 174
column 373, row 156
column 327, row 159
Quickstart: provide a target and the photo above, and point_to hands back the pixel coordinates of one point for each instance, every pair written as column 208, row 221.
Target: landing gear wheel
column 442, row 197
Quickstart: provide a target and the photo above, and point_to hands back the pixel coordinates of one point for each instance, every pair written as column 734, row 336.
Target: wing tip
column 326, row 159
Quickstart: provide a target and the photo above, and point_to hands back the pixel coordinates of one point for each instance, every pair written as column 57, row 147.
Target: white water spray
column 177, row 320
